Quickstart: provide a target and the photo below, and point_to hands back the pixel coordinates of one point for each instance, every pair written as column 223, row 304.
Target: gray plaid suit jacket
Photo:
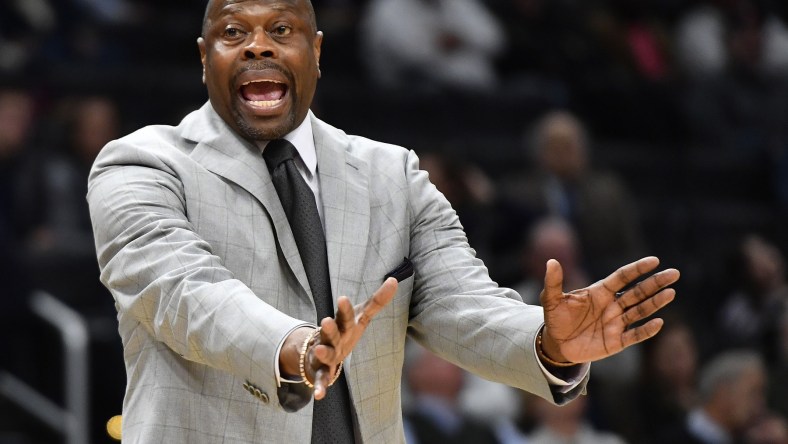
column 197, row 252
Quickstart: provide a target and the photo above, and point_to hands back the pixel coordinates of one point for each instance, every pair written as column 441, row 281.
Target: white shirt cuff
column 572, row 377
column 279, row 378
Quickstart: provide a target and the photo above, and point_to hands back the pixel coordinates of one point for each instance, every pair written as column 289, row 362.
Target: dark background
column 704, row 159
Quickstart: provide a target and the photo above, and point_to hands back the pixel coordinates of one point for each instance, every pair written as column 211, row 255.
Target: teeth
column 260, row 81
column 264, row 103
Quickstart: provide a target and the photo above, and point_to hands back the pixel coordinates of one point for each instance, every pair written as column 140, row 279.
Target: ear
column 203, row 55
column 316, row 46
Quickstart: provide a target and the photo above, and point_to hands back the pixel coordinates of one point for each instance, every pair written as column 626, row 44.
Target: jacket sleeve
column 457, row 311
column 165, row 279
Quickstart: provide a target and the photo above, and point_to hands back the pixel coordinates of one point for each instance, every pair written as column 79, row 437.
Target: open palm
column 339, row 335
column 594, row 322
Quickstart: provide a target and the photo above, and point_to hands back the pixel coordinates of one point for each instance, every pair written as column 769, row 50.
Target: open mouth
column 263, row 93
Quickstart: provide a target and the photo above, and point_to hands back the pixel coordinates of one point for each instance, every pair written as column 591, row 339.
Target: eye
column 231, row 32
column 282, row 30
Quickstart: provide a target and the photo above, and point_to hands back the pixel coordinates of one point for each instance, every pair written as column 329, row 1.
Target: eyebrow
column 289, row 4
column 229, row 10
column 232, row 7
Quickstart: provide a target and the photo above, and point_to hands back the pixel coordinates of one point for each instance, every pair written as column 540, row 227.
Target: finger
column 345, row 314
column 641, row 333
column 321, row 382
column 379, row 299
column 629, row 273
column 553, row 281
column 329, row 332
column 648, row 287
column 649, row 306
column 326, row 355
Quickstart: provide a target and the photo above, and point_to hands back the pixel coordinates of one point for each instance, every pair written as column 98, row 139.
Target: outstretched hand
column 338, row 336
column 594, row 322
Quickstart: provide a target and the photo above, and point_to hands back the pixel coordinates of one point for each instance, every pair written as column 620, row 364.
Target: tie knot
column 278, row 151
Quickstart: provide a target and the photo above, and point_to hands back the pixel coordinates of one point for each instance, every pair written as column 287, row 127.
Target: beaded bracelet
column 302, row 357
column 302, row 360
column 336, row 375
column 540, row 352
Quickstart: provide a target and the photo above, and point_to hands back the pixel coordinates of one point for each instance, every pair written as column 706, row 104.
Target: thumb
column 553, row 281
column 379, row 299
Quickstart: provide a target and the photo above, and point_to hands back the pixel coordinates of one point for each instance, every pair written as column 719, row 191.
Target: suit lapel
column 222, row 152
column 344, row 189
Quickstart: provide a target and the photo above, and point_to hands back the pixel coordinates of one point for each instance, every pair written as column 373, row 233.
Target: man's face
column 260, row 59
column 743, row 399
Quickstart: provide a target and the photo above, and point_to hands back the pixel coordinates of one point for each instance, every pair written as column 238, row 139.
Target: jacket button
column 261, row 396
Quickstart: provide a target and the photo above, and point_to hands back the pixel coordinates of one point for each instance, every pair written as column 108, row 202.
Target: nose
column 259, row 47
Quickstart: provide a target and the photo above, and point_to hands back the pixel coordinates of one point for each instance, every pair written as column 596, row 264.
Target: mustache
column 259, row 65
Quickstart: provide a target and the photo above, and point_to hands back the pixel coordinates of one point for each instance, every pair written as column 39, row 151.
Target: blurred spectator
column 97, row 36
column 59, row 239
column 778, row 383
column 24, row 25
column 433, row 415
column 750, row 316
column 338, row 19
column 431, row 45
column 565, row 184
column 107, row 11
column 20, row 333
column 769, row 429
column 86, row 32
column 547, row 45
column 717, row 32
column 700, row 41
column 16, row 124
column 666, row 390
column 565, row 424
column 637, row 38
column 495, row 404
column 58, row 242
column 471, row 194
column 647, row 48
column 732, row 399
column 545, row 37
column 736, row 102
column 550, row 238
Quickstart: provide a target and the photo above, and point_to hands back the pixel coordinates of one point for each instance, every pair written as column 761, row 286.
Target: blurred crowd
column 590, row 131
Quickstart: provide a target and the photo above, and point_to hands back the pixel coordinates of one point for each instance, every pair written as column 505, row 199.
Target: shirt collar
column 304, row 142
column 702, row 426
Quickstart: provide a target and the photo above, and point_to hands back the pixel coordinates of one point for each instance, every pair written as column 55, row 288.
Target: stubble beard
column 252, row 133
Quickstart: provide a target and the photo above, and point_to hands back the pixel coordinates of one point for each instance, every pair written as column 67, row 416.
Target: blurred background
column 590, row 131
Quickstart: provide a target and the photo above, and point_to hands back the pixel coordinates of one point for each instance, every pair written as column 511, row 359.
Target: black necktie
column 332, row 421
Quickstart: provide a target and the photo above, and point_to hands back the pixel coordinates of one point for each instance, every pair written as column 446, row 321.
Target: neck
column 718, row 415
column 563, row 427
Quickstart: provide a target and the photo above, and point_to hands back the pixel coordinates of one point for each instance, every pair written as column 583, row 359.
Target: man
column 563, row 425
column 214, row 276
column 434, row 45
column 565, row 183
column 732, row 400
column 434, row 413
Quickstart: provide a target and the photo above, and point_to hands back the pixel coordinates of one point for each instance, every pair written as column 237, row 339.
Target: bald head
column 214, row 4
column 562, row 145
column 732, row 389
